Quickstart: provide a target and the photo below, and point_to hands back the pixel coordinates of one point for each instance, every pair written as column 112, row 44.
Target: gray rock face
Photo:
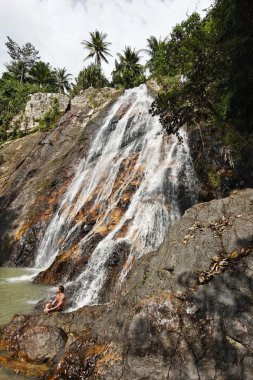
column 36, row 108
column 38, row 105
column 200, row 245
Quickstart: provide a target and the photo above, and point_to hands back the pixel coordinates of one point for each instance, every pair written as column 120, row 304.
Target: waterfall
column 129, row 186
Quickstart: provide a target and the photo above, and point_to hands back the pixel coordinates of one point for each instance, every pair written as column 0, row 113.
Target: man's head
column 61, row 289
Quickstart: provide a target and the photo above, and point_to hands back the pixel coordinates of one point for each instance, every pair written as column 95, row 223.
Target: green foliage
column 214, row 179
column 26, row 75
column 214, row 57
column 128, row 71
column 91, row 76
column 43, row 75
column 25, row 67
column 51, row 117
column 61, row 80
column 97, row 47
column 233, row 30
column 23, row 59
column 14, row 96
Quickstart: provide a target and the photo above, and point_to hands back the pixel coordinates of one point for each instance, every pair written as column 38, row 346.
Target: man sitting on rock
column 58, row 303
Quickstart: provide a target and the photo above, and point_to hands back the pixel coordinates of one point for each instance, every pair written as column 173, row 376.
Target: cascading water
column 132, row 171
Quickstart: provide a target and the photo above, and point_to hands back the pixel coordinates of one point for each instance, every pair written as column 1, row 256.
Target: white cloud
column 57, row 27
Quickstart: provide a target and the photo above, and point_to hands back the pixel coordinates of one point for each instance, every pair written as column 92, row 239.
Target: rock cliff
column 35, row 170
column 184, row 312
column 36, row 108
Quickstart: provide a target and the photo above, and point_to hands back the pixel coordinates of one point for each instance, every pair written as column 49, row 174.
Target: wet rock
column 70, row 263
column 114, row 266
column 31, row 370
column 23, row 251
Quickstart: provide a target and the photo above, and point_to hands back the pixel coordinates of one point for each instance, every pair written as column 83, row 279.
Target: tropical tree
column 18, row 71
column 232, row 27
column 97, row 47
column 91, row 76
column 156, row 50
column 23, row 59
column 128, row 71
column 43, row 75
column 62, row 79
column 14, row 96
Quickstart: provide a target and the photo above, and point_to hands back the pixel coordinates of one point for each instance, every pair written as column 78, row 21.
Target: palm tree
column 42, row 74
column 62, row 79
column 97, row 47
column 129, row 61
column 128, row 71
column 18, row 70
column 154, row 47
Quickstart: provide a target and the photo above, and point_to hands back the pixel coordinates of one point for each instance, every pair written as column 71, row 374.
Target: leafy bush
column 215, row 57
column 91, row 76
column 14, row 96
column 51, row 117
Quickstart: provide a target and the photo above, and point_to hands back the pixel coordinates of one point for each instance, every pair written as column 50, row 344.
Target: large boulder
column 41, row 343
column 38, row 105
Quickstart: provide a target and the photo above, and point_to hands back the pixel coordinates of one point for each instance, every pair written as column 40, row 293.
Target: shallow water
column 18, row 294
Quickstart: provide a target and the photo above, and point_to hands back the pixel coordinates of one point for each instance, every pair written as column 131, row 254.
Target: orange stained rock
column 39, row 213
column 112, row 219
column 22, row 230
column 95, row 349
column 5, row 344
column 22, row 367
column 109, row 355
column 123, row 230
column 73, row 252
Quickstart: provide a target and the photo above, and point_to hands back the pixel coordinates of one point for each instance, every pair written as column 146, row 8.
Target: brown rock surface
column 40, row 344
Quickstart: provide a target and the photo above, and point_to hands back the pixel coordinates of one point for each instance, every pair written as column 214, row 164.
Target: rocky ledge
column 185, row 311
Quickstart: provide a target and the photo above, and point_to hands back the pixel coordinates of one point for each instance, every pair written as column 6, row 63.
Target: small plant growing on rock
column 51, row 117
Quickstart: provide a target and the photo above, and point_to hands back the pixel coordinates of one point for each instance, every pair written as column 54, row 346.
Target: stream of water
column 160, row 164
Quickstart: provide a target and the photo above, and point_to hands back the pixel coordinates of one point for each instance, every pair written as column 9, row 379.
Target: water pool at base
column 18, row 295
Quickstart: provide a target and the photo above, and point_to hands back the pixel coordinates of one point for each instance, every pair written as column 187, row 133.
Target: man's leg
column 47, row 307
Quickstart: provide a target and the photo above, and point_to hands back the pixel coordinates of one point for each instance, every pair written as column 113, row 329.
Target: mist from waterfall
column 164, row 170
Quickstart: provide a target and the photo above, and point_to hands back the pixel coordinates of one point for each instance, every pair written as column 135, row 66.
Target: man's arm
column 54, row 301
column 58, row 305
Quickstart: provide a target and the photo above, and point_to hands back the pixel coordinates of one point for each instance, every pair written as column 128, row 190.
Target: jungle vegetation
column 204, row 68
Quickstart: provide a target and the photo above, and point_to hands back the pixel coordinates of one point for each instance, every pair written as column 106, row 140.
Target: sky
column 57, row 27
